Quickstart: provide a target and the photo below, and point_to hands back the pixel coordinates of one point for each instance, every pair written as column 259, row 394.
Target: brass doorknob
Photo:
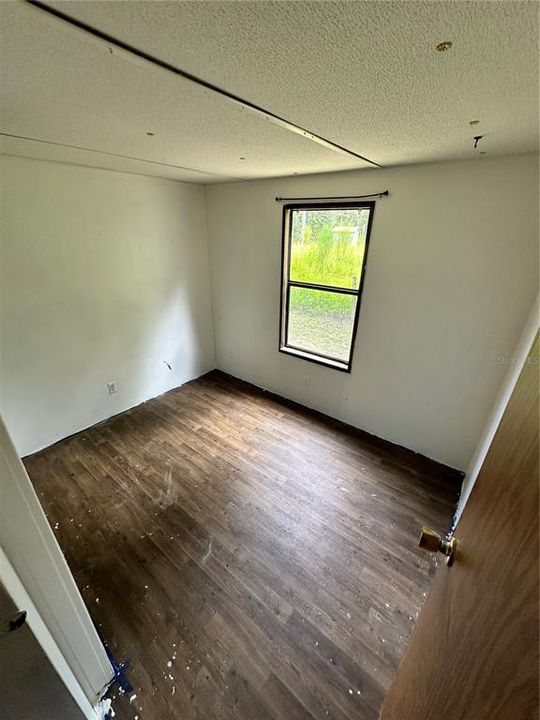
column 433, row 542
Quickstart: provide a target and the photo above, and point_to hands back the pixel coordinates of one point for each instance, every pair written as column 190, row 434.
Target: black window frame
column 287, row 283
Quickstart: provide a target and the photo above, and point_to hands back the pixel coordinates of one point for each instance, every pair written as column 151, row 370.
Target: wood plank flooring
column 250, row 558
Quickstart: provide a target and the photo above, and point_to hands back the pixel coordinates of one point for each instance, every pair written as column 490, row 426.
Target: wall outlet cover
column 111, row 387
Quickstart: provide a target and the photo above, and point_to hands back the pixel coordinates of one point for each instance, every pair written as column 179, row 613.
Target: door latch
column 13, row 623
column 433, row 542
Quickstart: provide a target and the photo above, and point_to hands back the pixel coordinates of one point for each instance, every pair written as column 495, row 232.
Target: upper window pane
column 327, row 246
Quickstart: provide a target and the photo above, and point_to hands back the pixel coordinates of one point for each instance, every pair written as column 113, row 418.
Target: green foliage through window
column 327, row 247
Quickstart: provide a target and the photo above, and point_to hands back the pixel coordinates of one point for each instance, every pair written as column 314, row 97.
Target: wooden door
column 474, row 652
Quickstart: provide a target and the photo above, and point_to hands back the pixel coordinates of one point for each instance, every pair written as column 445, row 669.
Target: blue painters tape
column 120, row 677
column 120, row 672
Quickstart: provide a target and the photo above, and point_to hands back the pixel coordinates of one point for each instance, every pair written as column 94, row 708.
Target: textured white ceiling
column 89, row 158
column 363, row 74
column 64, row 87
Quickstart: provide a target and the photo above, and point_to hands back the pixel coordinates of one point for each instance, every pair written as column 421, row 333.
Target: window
column 324, row 259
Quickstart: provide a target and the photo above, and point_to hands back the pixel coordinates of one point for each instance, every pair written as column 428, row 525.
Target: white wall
column 104, row 277
column 451, row 277
column 513, row 365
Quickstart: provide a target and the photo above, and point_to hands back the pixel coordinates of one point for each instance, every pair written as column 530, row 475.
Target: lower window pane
column 321, row 322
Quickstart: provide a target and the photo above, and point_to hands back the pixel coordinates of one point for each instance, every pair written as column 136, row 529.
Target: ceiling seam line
column 277, row 119
column 119, row 155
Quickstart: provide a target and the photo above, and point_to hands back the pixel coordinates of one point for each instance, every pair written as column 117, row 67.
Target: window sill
column 311, row 357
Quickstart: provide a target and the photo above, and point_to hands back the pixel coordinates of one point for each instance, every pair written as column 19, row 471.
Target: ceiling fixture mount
column 443, row 46
column 472, row 123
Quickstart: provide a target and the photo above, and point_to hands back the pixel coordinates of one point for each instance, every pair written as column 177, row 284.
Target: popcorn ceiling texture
column 62, row 85
column 364, row 74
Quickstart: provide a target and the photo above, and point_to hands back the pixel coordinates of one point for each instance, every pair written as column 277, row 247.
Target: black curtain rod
column 337, row 197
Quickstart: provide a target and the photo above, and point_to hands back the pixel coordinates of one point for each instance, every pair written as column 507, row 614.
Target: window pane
column 327, row 246
column 321, row 322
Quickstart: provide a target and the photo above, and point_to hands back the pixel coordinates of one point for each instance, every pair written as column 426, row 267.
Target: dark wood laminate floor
column 251, row 559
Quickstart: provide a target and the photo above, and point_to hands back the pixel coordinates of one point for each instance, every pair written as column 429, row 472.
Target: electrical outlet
column 111, row 387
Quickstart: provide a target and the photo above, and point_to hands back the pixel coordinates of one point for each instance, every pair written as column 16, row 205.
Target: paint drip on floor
column 104, row 709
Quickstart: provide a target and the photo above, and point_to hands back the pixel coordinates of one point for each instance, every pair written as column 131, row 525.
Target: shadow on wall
column 105, row 279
